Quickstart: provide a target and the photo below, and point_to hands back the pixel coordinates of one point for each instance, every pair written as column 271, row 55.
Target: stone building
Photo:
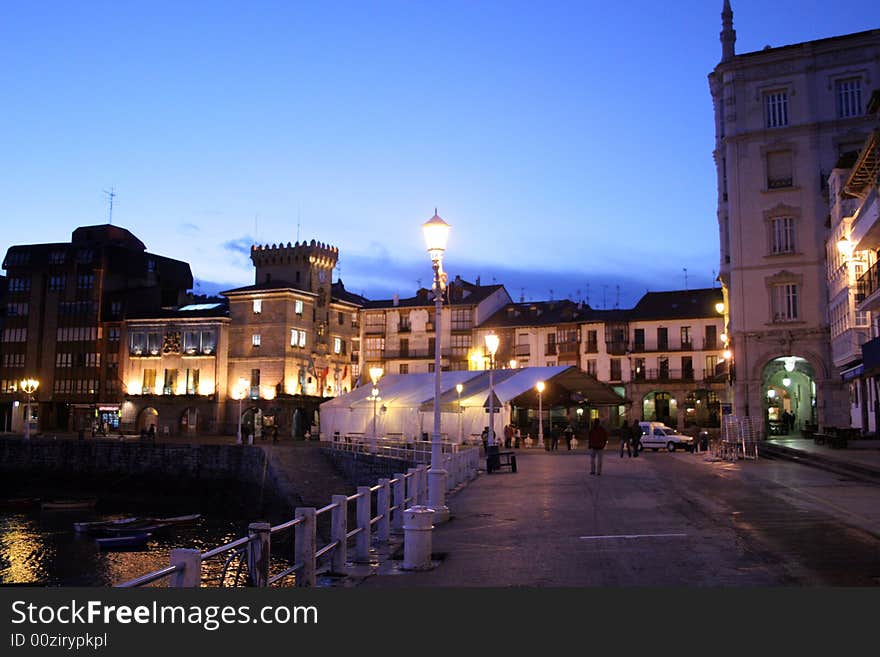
column 174, row 368
column 291, row 339
column 784, row 116
column 65, row 307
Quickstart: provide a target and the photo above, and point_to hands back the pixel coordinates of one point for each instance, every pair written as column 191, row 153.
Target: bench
column 500, row 460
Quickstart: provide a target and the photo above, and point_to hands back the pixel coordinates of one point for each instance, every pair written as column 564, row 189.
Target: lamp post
column 242, row 386
column 30, row 387
column 436, row 232
column 458, row 389
column 491, row 346
column 375, row 374
column 540, row 388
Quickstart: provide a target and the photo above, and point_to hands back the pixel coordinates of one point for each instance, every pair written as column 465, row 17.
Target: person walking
column 554, row 438
column 597, row 440
column 569, row 434
column 517, row 437
column 636, row 438
column 626, row 435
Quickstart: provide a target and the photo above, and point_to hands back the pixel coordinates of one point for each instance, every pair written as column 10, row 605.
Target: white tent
column 405, row 409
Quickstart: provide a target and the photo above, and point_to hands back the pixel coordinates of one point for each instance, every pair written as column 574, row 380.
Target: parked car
column 657, row 435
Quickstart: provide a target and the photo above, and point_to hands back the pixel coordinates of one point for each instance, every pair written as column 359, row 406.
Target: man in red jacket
column 597, row 440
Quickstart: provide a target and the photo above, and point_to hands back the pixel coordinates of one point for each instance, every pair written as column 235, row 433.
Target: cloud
column 241, row 246
column 188, row 228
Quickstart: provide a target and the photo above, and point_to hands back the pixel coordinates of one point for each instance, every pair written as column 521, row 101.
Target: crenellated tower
column 304, row 265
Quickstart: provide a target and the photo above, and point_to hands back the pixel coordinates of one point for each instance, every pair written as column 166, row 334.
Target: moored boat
column 60, row 505
column 178, row 520
column 136, row 540
column 99, row 525
column 20, row 503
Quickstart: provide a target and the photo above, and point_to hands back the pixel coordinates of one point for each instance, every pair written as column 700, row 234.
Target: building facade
column 65, row 309
column 783, row 118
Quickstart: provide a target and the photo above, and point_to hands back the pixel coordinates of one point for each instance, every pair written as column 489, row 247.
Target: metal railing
column 248, row 560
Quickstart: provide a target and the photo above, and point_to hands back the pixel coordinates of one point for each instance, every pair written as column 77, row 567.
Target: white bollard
column 417, row 532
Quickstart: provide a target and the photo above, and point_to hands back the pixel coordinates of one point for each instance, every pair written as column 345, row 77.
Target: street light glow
column 436, row 233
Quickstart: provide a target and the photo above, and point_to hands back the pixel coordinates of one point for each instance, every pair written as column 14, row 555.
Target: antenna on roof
column 551, row 294
column 604, row 305
column 111, row 195
column 685, row 277
column 714, row 278
column 587, row 299
column 617, row 299
column 522, row 295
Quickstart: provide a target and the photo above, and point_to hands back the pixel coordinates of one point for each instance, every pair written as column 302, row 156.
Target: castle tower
column 728, row 34
column 305, row 266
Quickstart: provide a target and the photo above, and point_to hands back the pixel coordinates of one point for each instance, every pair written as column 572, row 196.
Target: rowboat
column 138, row 539
column 178, row 520
column 100, row 525
column 57, row 505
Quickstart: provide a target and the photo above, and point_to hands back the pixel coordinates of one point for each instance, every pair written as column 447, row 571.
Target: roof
column 458, row 293
column 828, row 41
column 339, row 293
column 677, row 304
column 565, row 385
column 215, row 307
column 268, row 286
column 539, row 313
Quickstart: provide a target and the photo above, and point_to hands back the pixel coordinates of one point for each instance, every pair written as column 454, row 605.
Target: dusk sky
column 569, row 144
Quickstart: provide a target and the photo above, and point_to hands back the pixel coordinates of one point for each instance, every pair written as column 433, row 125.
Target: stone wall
column 365, row 469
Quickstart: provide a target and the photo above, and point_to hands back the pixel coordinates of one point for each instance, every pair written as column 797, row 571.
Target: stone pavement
column 643, row 522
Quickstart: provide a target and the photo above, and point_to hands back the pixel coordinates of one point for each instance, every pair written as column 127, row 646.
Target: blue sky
column 569, row 144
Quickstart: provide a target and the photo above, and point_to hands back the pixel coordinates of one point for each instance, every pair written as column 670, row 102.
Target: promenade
column 662, row 519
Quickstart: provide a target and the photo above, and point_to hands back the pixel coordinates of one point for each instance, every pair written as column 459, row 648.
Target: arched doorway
column 660, row 406
column 147, row 418
column 189, row 420
column 789, row 393
column 702, row 408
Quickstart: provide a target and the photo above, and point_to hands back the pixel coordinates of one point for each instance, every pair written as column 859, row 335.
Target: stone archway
column 788, row 389
column 660, row 406
column 149, row 416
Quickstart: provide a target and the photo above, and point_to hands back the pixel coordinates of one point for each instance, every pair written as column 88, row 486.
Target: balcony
column 412, row 353
column 687, row 346
column 522, row 350
column 550, row 349
column 567, row 348
column 663, row 374
column 638, row 346
column 867, row 285
column 616, row 348
column 711, row 343
column 404, row 328
column 592, row 347
column 374, row 329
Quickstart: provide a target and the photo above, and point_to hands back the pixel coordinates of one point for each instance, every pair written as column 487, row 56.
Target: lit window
column 258, row 306
column 297, row 338
column 255, row 339
column 785, row 302
column 298, row 307
column 337, row 345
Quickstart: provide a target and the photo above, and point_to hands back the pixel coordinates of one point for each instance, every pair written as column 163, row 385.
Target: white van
column 657, row 435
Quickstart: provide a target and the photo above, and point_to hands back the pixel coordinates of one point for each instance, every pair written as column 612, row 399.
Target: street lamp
column 375, row 374
column 458, row 389
column 240, row 393
column 436, row 232
column 491, row 346
column 540, row 387
column 30, row 387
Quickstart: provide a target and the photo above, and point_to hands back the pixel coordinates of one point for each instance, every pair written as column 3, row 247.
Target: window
column 403, row 368
column 338, row 346
column 116, row 308
column 615, row 369
column 255, row 384
column 113, row 334
column 85, row 281
column 686, row 338
column 782, row 235
column 776, row 109
column 461, row 319
column 57, row 283
column 711, row 340
column 15, row 335
column 63, row 360
column 151, row 266
column 298, row 307
column 663, row 368
column 638, row 369
column 84, row 255
column 639, row 339
column 255, row 339
column 849, row 98
column 592, row 342
column 662, row 339
column 298, row 338
column 170, row 385
column 57, row 257
column 374, row 348
column 149, row 382
column 19, row 284
column 13, row 360
column 711, row 365
column 16, row 310
column 779, row 170
column 192, row 382
column 687, row 368
column 785, row 302
column 258, row 306
column 340, row 318
column 460, row 345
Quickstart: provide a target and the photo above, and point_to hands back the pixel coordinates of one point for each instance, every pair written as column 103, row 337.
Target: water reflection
column 41, row 548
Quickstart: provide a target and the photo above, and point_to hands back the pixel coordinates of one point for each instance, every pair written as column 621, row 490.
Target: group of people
column 630, row 439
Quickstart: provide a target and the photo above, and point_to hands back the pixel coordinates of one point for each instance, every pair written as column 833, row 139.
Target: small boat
column 20, row 503
column 145, row 525
column 136, row 540
column 63, row 505
column 178, row 520
column 100, row 525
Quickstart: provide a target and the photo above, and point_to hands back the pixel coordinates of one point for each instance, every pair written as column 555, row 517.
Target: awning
column 854, row 372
